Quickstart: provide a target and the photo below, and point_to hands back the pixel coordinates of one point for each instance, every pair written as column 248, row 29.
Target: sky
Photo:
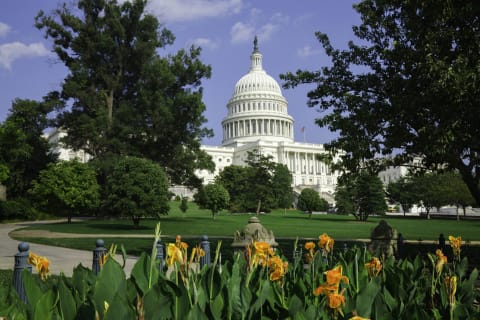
column 225, row 30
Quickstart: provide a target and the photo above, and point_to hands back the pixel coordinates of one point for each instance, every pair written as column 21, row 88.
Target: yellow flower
column 197, row 253
column 325, row 289
column 174, row 254
column 373, row 267
column 40, row 263
column 261, row 253
column 441, row 260
column 455, row 243
column 358, row 318
column 451, row 287
column 325, row 242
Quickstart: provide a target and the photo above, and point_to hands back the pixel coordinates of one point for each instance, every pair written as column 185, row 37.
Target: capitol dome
column 257, row 109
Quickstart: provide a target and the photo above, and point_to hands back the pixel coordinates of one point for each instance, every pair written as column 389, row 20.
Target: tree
column 183, row 204
column 125, row 99
column 24, row 150
column 409, row 88
column 137, row 188
column 235, row 179
column 216, row 198
column 260, row 188
column 401, row 191
column 3, row 172
column 360, row 194
column 282, row 186
column 430, row 191
column 66, row 188
column 458, row 194
column 309, row 201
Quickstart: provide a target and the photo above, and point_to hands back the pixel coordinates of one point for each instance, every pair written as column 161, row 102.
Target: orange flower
column 334, row 276
column 373, row 267
column 451, row 287
column 336, row 301
column 40, row 263
column 358, row 318
column 325, row 289
column 325, row 242
column 309, row 245
column 278, row 268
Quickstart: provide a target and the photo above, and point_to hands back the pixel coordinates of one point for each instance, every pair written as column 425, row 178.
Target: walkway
column 61, row 259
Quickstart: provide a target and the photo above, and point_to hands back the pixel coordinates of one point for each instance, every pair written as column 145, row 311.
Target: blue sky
column 223, row 28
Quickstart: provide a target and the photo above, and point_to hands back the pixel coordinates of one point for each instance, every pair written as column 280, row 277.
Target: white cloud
column 185, row 10
column 205, row 43
column 307, row 51
column 4, row 29
column 245, row 31
column 9, row 52
column 242, row 32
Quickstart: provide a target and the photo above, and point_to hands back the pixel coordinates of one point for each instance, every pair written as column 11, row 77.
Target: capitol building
column 257, row 120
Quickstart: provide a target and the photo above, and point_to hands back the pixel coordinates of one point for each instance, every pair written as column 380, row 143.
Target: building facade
column 257, row 119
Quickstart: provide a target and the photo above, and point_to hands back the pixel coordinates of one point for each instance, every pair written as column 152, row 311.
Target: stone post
column 21, row 259
column 205, row 244
column 160, row 254
column 98, row 254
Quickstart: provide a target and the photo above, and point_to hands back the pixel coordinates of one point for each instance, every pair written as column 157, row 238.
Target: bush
column 20, row 209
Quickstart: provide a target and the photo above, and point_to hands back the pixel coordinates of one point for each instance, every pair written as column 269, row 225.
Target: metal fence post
column 160, row 254
column 98, row 254
column 21, row 259
column 205, row 244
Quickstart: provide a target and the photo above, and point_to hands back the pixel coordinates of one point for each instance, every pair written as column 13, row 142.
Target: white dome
column 257, row 109
column 257, row 81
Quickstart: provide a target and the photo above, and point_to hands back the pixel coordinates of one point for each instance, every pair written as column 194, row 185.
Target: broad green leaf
column 295, row 305
column 143, row 277
column 32, row 291
column 366, row 297
column 216, row 307
column 110, row 282
column 195, row 313
column 67, row 305
column 45, row 306
column 119, row 309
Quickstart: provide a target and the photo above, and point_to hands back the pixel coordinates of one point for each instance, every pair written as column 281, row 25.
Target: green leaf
column 216, row 306
column 32, row 291
column 67, row 305
column 143, row 277
column 44, row 306
column 366, row 297
column 295, row 305
column 195, row 313
column 118, row 309
column 110, row 282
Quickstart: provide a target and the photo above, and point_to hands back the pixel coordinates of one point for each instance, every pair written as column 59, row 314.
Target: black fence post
column 98, row 254
column 21, row 259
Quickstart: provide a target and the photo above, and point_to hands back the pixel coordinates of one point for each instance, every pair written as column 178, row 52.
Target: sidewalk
column 61, row 259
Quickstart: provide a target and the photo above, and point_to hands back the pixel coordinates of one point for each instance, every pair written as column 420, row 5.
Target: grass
column 284, row 224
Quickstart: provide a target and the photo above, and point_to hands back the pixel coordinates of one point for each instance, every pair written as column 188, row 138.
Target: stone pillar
column 205, row 244
column 98, row 254
column 160, row 254
column 21, row 259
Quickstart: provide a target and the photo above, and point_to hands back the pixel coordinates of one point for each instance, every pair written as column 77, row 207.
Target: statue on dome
column 255, row 44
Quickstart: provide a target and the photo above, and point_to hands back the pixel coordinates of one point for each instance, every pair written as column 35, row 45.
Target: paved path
column 61, row 259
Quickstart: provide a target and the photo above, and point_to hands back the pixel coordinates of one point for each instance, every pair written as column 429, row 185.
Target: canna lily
column 40, row 263
column 278, row 268
column 455, row 243
column 441, row 260
column 358, row 318
column 196, row 254
column 336, row 301
column 335, row 276
column 326, row 243
column 174, row 254
column 310, row 247
column 451, row 287
column 373, row 267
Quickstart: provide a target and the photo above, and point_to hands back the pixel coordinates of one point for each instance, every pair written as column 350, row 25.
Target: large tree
column 125, row 98
column 24, row 149
column 137, row 188
column 409, row 87
column 309, row 201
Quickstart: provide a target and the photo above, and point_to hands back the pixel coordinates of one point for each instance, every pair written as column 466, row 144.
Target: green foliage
column 401, row 191
column 360, row 194
column 19, row 208
column 408, row 87
column 183, row 204
column 125, row 98
column 216, row 198
column 309, row 200
column 137, row 188
column 243, row 289
column 260, row 186
column 67, row 187
column 25, row 151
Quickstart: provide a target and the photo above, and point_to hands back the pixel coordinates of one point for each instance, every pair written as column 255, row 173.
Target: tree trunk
column 136, row 221
column 69, row 219
column 471, row 181
column 458, row 214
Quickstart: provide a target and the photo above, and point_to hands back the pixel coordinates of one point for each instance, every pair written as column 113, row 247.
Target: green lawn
column 289, row 224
